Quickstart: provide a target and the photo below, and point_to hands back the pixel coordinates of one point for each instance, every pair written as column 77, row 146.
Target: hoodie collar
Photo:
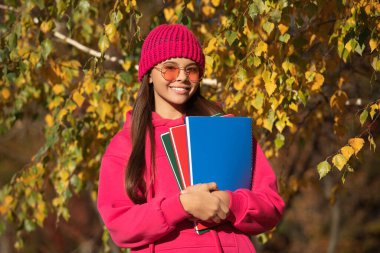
column 157, row 120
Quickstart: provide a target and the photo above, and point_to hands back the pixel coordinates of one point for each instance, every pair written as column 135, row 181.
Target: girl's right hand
column 198, row 201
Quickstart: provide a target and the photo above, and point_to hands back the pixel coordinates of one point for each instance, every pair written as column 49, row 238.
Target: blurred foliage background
column 306, row 71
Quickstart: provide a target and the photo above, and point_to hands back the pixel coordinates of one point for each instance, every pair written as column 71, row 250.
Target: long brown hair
column 142, row 125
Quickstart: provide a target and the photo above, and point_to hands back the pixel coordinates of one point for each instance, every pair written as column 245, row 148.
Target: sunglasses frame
column 179, row 68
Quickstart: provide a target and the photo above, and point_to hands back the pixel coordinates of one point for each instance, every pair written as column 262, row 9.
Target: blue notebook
column 220, row 150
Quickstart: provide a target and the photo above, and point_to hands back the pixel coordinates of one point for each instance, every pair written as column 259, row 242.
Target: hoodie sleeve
column 132, row 225
column 259, row 209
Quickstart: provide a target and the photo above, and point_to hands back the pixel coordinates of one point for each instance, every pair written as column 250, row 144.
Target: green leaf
column 279, row 141
column 268, row 27
column 372, row 144
column 268, row 122
column 126, row 77
column 242, row 74
column 47, row 47
column 256, row 61
column 103, row 43
column 11, row 41
column 359, row 49
column 253, row 10
column 84, row 6
column 284, row 38
column 363, row 117
column 116, row 17
column 231, row 37
column 61, row 7
column 258, row 101
column 323, row 168
column 275, row 15
column 29, row 226
column 40, row 4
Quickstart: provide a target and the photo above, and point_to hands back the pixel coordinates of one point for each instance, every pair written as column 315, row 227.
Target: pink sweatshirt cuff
column 238, row 206
column 173, row 210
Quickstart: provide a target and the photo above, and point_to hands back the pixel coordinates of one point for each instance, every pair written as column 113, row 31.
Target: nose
column 182, row 76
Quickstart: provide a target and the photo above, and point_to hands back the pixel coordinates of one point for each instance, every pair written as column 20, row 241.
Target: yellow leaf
column 58, row 201
column 294, row 107
column 64, row 174
column 111, row 31
column 312, row 38
column 103, row 110
column 34, row 58
column 40, row 217
column 61, row 114
column 5, row 93
column 127, row 65
column 261, row 47
column 283, row 28
column 318, row 82
column 338, row 100
column 109, row 86
column 224, row 21
column 211, row 46
column 290, row 50
column 257, row 80
column 8, row 200
column 347, row 152
column 356, row 144
column 373, row 44
column 168, row 13
column 46, row 26
column 208, row 65
column 78, row 98
column 73, row 64
column 348, row 46
column 216, row 3
column 339, row 161
column 49, row 120
column 58, row 88
column 270, row 87
column 238, row 85
column 89, row 85
column 285, row 65
column 190, row 6
column 374, row 108
column 55, row 102
column 208, row 10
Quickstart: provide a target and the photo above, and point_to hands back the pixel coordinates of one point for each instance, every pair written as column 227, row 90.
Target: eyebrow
column 193, row 63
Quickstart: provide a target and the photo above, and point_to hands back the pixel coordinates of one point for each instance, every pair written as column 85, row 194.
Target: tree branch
column 8, row 8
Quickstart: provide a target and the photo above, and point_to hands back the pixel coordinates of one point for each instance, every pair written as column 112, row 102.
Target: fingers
column 211, row 186
column 201, row 187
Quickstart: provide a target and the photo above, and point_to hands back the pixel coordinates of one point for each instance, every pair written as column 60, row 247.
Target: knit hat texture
column 169, row 41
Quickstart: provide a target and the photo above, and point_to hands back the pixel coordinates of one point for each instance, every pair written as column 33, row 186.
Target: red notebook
column 179, row 141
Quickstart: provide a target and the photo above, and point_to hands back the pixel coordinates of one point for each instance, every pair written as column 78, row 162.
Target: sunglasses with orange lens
column 170, row 72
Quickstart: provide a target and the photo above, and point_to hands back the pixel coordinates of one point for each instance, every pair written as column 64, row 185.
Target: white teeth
column 178, row 89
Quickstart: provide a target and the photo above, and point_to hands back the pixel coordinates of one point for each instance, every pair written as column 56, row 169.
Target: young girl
column 138, row 197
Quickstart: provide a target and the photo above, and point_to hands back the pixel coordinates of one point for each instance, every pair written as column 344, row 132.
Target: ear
column 150, row 79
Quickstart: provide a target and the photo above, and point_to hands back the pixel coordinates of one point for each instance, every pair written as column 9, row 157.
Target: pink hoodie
column 161, row 224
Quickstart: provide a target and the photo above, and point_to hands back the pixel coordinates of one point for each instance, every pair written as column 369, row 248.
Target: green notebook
column 165, row 138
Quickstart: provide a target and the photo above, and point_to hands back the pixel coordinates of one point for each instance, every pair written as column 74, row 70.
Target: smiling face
column 171, row 96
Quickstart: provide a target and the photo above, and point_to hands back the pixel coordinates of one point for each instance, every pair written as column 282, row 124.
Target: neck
column 170, row 112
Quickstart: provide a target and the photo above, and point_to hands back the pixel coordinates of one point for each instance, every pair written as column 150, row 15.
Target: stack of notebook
column 211, row 149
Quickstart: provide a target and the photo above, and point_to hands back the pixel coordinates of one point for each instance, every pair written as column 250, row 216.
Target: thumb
column 212, row 186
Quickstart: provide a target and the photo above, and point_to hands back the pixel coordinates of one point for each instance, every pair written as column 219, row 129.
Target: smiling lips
column 180, row 90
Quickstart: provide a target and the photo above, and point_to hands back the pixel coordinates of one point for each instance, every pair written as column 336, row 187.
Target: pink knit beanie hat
column 169, row 41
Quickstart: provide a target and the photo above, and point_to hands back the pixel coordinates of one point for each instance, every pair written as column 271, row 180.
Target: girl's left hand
column 223, row 196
